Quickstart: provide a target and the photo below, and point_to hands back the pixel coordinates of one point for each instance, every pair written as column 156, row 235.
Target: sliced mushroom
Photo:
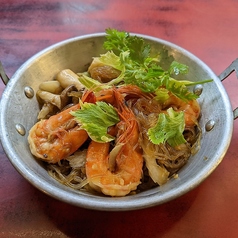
column 67, row 77
column 65, row 95
column 59, row 100
column 46, row 110
column 52, row 86
column 50, row 98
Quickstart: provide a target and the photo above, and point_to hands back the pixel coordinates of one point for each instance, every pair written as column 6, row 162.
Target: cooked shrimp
column 119, row 172
column 58, row 137
column 128, row 91
column 133, row 91
column 191, row 109
column 191, row 112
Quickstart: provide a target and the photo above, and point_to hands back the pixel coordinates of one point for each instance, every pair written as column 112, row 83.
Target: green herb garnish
column 96, row 118
column 169, row 128
column 139, row 68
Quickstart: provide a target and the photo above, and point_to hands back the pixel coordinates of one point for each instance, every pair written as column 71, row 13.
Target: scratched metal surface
column 208, row 29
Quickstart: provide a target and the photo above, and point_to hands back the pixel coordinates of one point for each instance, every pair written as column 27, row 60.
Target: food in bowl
column 124, row 126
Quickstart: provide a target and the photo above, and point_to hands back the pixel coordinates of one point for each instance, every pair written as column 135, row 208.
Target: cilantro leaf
column 177, row 87
column 149, row 73
column 161, row 95
column 177, row 68
column 116, row 40
column 120, row 41
column 169, row 128
column 96, row 118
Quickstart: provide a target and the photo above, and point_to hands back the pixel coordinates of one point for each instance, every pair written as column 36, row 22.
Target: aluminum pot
column 19, row 107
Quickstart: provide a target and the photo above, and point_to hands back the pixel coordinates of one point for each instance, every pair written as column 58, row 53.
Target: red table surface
column 208, row 29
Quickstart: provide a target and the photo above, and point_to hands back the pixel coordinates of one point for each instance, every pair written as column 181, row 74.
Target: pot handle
column 230, row 69
column 3, row 75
